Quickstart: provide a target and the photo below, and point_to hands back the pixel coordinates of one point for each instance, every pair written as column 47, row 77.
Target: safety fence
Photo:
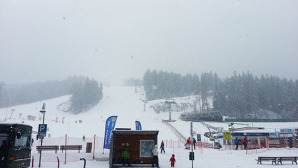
column 182, row 144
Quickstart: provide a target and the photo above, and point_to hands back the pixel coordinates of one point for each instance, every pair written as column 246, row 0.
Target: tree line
column 84, row 92
column 164, row 85
column 85, row 95
column 243, row 94
column 238, row 95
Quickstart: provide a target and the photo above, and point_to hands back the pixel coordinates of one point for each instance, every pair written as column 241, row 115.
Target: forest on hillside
column 237, row 96
column 85, row 93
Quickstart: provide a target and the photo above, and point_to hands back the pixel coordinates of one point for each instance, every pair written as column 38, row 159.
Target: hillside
column 126, row 104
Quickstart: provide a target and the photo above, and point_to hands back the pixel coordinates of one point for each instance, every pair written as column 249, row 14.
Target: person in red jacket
column 244, row 142
column 173, row 160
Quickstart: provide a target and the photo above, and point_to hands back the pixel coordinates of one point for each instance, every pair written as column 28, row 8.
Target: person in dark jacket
column 236, row 142
column 194, row 143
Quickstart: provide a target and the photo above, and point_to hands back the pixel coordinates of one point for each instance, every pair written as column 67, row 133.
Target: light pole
column 43, row 112
column 191, row 154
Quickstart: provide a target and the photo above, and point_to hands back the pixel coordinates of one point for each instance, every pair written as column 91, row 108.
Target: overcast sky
column 111, row 40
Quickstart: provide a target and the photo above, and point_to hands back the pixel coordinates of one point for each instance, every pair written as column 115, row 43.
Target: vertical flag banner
column 138, row 125
column 110, row 125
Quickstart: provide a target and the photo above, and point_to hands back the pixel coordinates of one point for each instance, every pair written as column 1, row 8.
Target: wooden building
column 138, row 143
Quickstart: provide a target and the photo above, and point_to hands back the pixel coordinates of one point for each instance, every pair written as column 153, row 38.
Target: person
column 187, row 145
column 244, row 141
column 162, row 147
column 155, row 156
column 194, row 143
column 291, row 142
column 173, row 160
column 236, row 142
column 125, row 158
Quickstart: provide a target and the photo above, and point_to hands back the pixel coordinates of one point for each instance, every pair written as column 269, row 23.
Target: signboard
column 42, row 130
column 198, row 137
column 191, row 156
column 146, row 147
column 257, row 134
column 237, row 134
column 227, row 136
column 285, row 130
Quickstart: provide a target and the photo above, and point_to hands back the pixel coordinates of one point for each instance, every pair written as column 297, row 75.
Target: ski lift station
column 261, row 138
column 138, row 143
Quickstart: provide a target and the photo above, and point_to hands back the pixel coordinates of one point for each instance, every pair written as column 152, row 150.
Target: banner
column 198, row 137
column 110, row 125
column 138, row 125
column 227, row 136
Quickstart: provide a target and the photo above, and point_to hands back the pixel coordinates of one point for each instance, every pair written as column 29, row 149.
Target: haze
column 112, row 40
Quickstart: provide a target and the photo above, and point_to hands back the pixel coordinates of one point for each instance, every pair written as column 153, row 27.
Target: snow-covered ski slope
column 125, row 103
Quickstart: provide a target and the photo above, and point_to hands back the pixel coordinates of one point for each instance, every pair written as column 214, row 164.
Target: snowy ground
column 127, row 105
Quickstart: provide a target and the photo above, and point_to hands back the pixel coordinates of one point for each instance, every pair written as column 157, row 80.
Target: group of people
column 244, row 142
column 190, row 142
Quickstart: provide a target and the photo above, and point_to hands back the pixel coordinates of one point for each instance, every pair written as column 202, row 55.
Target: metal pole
column 191, row 141
column 94, row 147
column 65, row 147
column 41, row 142
column 84, row 161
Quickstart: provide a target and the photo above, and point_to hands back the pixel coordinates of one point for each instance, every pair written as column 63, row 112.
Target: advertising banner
column 138, row 125
column 227, row 136
column 110, row 125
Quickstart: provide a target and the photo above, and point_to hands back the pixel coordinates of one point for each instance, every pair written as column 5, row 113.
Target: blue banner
column 237, row 134
column 198, row 137
column 257, row 134
column 110, row 125
column 138, row 125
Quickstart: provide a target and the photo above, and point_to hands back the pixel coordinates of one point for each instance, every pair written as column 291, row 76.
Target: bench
column 71, row 147
column 288, row 158
column 53, row 147
column 274, row 145
column 261, row 158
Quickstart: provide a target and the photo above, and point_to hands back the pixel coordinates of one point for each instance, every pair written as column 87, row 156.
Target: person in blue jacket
column 162, row 147
column 236, row 142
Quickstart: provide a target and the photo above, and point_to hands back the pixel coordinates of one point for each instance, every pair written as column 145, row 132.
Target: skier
column 194, row 143
column 187, row 145
column 245, row 141
column 162, row 147
column 155, row 157
column 173, row 160
column 236, row 142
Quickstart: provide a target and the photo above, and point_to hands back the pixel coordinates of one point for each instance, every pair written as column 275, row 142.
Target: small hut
column 31, row 117
column 139, row 144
